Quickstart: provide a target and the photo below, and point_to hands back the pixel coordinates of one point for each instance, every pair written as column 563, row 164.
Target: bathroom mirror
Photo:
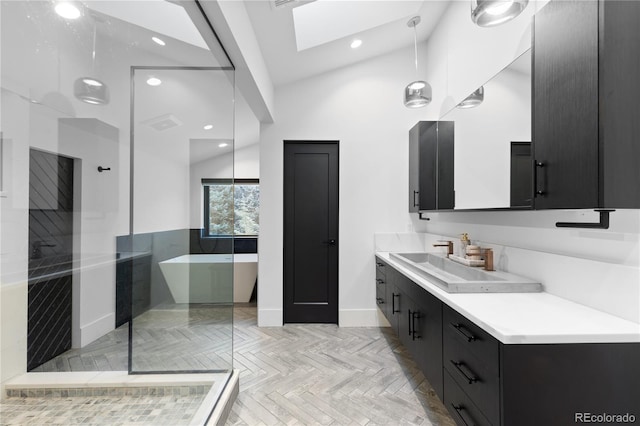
column 492, row 157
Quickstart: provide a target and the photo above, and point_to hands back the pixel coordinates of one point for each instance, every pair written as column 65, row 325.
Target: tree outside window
column 226, row 199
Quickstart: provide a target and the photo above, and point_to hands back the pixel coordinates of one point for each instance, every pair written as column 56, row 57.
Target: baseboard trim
column 96, row 329
column 270, row 317
column 361, row 318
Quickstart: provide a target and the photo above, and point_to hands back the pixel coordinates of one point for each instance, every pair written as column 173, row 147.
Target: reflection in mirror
column 492, row 138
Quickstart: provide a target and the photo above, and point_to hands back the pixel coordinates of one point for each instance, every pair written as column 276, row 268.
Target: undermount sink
column 455, row 278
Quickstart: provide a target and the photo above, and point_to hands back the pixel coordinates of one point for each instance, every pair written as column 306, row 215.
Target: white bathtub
column 206, row 278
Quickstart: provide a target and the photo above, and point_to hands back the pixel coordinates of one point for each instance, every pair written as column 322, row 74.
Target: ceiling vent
column 288, row 4
column 162, row 122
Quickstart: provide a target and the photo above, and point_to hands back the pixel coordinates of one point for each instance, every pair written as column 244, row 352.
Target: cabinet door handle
column 469, row 375
column 409, row 321
column 380, row 281
column 393, row 303
column 380, row 265
column 380, row 300
column 466, row 333
column 540, row 191
column 458, row 409
column 414, row 199
column 415, row 315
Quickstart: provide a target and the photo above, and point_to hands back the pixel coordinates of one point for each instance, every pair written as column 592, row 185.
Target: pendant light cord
column 93, row 52
column 415, row 45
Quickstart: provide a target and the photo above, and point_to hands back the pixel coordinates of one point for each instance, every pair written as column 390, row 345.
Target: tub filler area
column 207, row 278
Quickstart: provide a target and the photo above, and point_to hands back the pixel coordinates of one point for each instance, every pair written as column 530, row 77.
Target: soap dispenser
column 464, row 242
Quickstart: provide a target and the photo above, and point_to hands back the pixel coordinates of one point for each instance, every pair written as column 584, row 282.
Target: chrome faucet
column 448, row 244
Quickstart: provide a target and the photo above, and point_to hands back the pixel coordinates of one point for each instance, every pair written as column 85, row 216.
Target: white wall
column 361, row 106
column 241, row 161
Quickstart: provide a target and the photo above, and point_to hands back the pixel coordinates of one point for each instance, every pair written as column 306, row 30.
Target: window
column 226, row 198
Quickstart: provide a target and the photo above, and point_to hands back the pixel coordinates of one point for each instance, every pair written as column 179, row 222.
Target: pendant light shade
column 417, row 93
column 89, row 89
column 473, row 100
column 488, row 13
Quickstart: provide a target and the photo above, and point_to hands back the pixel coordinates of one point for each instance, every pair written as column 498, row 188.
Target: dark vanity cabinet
column 420, row 329
column 482, row 381
column 431, row 166
column 585, row 104
column 416, row 317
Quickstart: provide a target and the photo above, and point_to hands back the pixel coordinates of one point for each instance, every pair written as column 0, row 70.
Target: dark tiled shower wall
column 49, row 322
column 51, row 184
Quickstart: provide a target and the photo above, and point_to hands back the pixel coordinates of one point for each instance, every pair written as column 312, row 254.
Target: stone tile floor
column 100, row 410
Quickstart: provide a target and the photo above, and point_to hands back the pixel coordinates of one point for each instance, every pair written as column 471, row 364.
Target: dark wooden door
column 311, row 232
column 565, row 104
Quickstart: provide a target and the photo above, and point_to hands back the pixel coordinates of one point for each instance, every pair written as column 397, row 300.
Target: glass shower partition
column 182, row 132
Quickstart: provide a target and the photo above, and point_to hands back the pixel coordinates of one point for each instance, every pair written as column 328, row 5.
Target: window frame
column 206, row 213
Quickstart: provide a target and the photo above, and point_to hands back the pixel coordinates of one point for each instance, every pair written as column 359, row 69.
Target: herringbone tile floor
column 327, row 375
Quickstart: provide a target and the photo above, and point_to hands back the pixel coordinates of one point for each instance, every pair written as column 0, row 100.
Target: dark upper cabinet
column 431, row 166
column 585, row 109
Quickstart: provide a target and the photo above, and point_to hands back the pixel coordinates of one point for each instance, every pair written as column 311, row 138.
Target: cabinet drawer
column 477, row 342
column 479, row 380
column 462, row 409
column 381, row 268
column 381, row 290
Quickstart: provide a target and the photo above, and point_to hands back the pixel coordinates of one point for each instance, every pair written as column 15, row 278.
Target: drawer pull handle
column 380, row 300
column 380, row 281
column 380, row 265
column 414, row 315
column 466, row 333
column 393, row 303
column 468, row 374
column 458, row 409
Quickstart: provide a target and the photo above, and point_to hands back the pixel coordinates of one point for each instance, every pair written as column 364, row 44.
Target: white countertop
column 530, row 318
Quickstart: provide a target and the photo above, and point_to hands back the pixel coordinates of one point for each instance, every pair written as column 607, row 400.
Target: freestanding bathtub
column 208, row 278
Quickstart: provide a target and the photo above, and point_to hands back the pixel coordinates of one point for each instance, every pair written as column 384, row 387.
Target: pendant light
column 473, row 100
column 488, row 13
column 418, row 93
column 90, row 89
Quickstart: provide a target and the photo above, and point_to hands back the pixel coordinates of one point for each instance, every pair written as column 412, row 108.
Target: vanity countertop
column 530, row 318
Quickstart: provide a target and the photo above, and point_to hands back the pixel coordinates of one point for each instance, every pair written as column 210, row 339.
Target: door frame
column 336, row 143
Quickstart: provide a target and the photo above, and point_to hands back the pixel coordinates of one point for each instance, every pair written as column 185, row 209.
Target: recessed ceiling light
column 223, row 144
column 67, row 10
column 158, row 41
column 356, row 43
column 154, row 81
column 208, row 127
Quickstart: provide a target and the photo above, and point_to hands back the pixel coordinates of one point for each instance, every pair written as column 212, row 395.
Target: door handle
column 331, row 242
column 468, row 374
column 459, row 409
column 539, row 190
column 393, row 303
